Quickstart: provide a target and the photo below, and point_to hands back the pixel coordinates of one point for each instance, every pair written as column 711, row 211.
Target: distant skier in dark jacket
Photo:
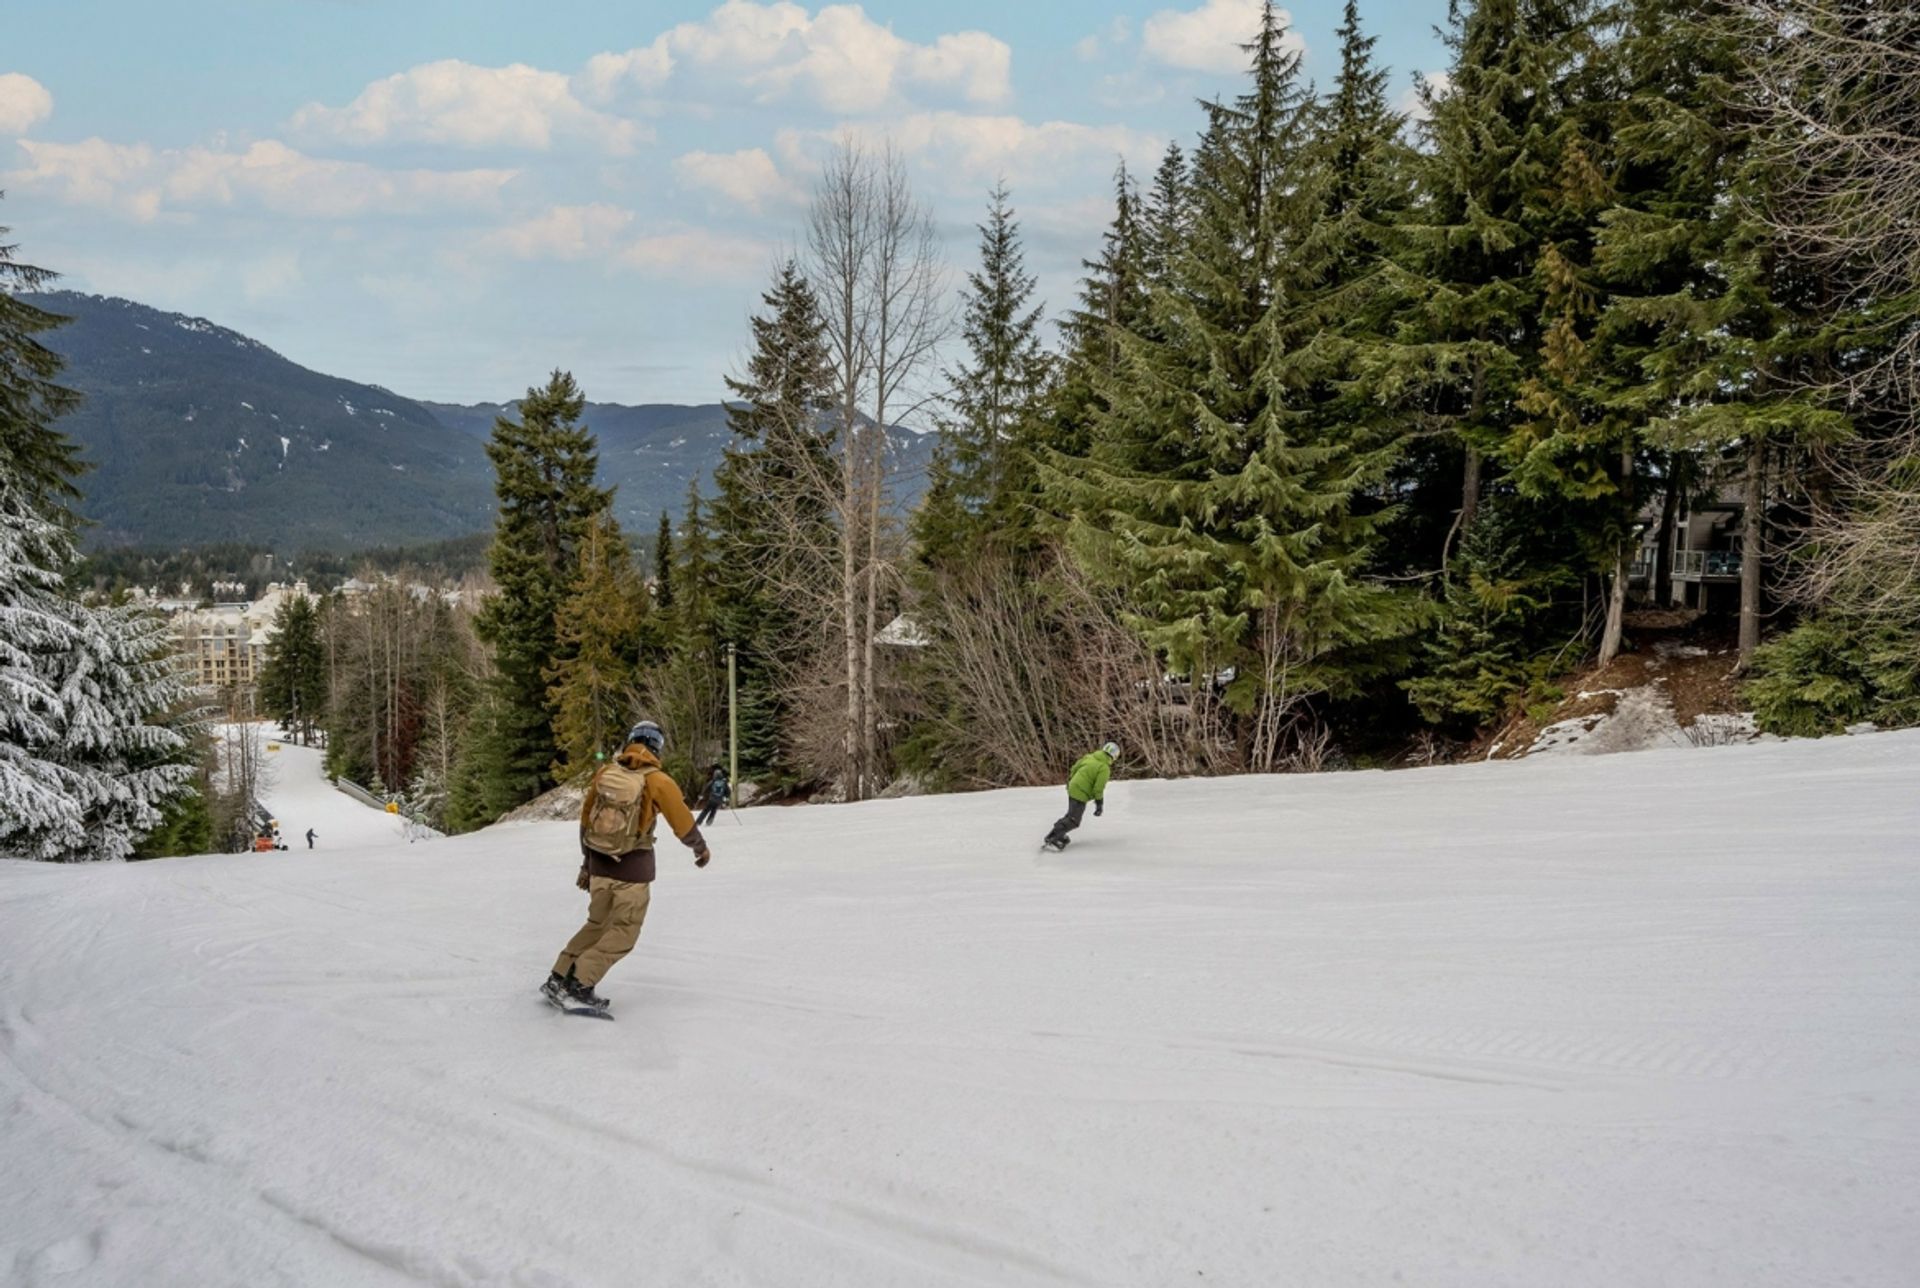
column 309, row 838
column 1087, row 784
column 714, row 795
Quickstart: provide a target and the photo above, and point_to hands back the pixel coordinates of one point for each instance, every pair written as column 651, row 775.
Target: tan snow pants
column 615, row 911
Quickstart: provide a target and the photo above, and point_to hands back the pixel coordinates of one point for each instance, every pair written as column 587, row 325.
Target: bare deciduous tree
column 872, row 259
column 1840, row 108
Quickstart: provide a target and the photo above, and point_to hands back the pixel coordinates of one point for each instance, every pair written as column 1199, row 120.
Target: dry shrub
column 1026, row 672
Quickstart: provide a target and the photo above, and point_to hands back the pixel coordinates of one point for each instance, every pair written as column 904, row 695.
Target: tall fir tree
column 1112, row 300
column 1715, row 333
column 89, row 765
column 771, row 512
column 591, row 685
column 545, row 464
column 663, row 563
column 1235, row 528
column 1496, row 145
column 293, row 679
column 981, row 481
column 42, row 462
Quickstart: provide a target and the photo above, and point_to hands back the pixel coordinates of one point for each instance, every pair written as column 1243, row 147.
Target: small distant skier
column 714, row 795
column 1087, row 784
column 309, row 838
column 627, row 798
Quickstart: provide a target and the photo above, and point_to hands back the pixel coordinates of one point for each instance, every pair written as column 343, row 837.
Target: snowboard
column 565, row 1009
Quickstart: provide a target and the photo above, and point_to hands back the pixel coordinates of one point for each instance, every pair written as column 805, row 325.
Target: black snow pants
column 1076, row 810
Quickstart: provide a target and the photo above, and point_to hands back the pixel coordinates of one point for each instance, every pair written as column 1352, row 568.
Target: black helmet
column 649, row 735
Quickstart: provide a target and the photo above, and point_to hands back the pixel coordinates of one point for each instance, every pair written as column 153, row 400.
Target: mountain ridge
column 198, row 433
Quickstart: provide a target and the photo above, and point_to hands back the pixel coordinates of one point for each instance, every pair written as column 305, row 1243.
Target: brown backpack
column 622, row 817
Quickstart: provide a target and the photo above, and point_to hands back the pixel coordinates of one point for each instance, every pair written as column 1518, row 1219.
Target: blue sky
column 450, row 197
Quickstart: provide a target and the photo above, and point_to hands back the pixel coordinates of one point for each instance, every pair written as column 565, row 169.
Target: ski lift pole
column 733, row 728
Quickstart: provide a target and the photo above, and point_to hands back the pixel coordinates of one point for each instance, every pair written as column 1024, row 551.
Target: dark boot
column 555, row 989
column 583, row 994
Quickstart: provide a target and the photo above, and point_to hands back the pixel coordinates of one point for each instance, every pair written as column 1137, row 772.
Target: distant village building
column 227, row 643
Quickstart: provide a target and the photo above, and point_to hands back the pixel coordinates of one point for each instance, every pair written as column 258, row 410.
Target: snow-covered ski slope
column 1636, row 1020
column 296, row 790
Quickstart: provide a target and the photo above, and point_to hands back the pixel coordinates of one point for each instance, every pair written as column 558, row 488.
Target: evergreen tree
column 663, row 563
column 1112, row 300
column 592, row 685
column 1498, row 141
column 42, row 462
column 1164, row 219
column 293, row 679
column 771, row 511
column 981, row 476
column 1713, row 338
column 1234, row 526
column 84, row 772
column 87, row 768
column 545, row 464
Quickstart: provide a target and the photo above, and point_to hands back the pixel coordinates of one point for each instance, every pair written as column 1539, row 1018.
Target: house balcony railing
column 1706, row 565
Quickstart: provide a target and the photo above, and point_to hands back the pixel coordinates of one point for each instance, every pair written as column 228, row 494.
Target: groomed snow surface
column 1634, row 1020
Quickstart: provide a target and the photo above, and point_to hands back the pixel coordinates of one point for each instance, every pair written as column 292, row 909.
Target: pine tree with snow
column 83, row 773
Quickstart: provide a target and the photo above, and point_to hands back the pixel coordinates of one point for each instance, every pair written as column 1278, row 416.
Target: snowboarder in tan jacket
column 1086, row 784
column 623, row 805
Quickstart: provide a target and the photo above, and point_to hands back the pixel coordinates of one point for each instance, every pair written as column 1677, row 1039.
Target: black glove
column 1097, row 807
column 582, row 880
column 700, row 857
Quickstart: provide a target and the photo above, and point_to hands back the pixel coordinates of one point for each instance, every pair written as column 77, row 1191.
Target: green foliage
column 1219, row 492
column 981, row 481
column 293, row 680
column 1508, row 619
column 770, row 517
column 186, row 827
column 42, row 461
column 591, row 687
column 545, row 465
column 1833, row 671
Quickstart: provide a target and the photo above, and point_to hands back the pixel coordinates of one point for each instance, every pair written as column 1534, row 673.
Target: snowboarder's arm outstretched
column 671, row 806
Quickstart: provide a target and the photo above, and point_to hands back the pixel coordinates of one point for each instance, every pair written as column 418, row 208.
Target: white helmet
column 1113, row 750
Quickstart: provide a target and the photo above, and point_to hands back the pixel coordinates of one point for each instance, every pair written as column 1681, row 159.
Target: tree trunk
column 849, row 614
column 1751, row 546
column 1470, row 489
column 869, row 698
column 1616, row 604
column 1610, row 637
column 1663, row 546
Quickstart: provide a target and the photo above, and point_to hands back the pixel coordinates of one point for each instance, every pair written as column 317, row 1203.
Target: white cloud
column 563, row 233
column 983, row 148
column 748, row 178
column 1090, row 49
column 602, row 232
column 1413, row 105
column 839, row 58
column 146, row 182
column 24, row 103
column 700, row 255
column 460, row 104
column 1208, row 39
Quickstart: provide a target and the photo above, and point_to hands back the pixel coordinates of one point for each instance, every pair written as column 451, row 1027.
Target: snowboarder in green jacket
column 1087, row 783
